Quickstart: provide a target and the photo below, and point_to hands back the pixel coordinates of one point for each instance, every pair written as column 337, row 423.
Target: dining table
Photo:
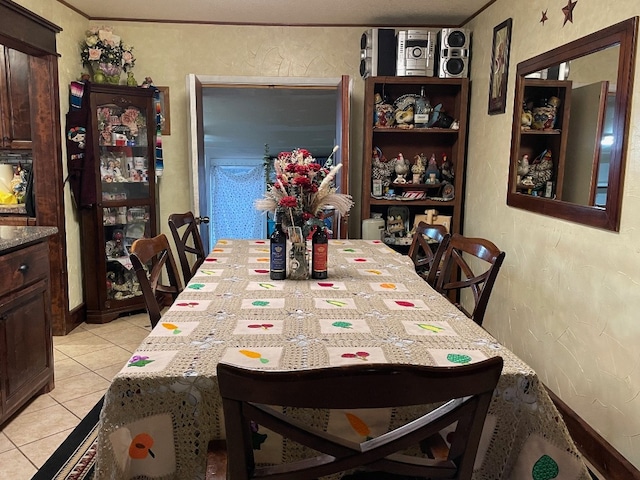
column 164, row 407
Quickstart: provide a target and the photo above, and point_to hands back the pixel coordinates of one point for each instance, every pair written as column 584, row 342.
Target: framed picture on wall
column 499, row 67
column 164, row 110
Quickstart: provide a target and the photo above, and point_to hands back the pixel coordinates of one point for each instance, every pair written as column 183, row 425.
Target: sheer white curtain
column 234, row 188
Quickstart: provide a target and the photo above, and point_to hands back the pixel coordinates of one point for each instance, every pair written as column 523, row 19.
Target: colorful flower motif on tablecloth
column 541, row 460
column 208, row 272
column 196, row 287
column 358, row 425
column 388, row 287
column 260, row 250
column 145, row 447
column 149, row 361
column 259, row 242
column 350, row 250
column 449, row 357
column 355, row 355
column 261, row 303
column 214, row 260
column 189, row 306
column 359, row 260
column 334, row 303
column 262, row 260
column 429, row 329
column 252, row 357
column 224, row 241
column 258, row 271
column 352, row 325
column 373, row 272
column 263, row 286
column 328, row 285
column 173, row 329
column 405, row 304
column 255, row 327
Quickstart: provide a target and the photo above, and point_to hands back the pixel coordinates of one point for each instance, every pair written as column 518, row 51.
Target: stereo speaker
column 378, row 52
column 455, row 48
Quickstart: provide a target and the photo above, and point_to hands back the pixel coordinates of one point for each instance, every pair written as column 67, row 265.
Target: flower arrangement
column 103, row 48
column 304, row 188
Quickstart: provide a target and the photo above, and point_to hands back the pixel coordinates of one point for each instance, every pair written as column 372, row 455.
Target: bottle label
column 320, row 257
column 278, row 257
column 421, row 118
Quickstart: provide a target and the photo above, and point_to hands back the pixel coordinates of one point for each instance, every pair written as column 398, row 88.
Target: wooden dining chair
column 421, row 253
column 150, row 257
column 248, row 397
column 457, row 274
column 187, row 242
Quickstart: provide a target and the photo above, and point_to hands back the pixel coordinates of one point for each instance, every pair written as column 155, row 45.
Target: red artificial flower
column 303, row 182
column 304, row 152
column 301, row 169
column 314, row 167
column 291, row 167
column 289, row 202
column 306, row 216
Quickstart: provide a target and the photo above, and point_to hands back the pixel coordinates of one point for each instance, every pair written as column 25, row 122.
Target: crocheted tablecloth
column 163, row 407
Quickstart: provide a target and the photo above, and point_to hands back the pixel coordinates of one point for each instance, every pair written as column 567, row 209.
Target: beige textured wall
column 567, row 297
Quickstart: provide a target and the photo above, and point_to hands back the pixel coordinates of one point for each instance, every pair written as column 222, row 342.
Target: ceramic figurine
column 419, row 167
column 401, row 168
column 544, row 116
column 446, row 169
column 541, row 169
column 432, row 172
column 381, row 168
column 382, row 113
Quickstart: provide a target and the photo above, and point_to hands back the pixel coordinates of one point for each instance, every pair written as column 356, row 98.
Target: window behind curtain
column 234, row 188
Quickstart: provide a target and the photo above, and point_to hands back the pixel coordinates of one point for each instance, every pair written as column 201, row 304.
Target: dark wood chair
column 421, row 252
column 150, row 257
column 248, row 396
column 187, row 241
column 457, row 274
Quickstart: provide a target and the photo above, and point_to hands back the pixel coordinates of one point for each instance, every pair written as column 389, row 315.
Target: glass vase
column 298, row 256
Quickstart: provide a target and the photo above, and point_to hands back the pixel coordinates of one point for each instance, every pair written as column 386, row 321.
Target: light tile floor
column 86, row 360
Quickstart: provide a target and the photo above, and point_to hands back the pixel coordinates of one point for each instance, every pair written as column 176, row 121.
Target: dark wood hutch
column 23, row 31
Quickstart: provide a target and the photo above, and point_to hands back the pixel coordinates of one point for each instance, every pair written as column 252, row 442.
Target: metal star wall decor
column 568, row 12
column 544, row 17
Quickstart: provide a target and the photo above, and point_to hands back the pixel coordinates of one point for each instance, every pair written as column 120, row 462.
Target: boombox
column 378, row 52
column 416, row 52
column 454, row 47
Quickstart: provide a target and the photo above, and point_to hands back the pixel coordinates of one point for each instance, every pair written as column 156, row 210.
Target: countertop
column 15, row 236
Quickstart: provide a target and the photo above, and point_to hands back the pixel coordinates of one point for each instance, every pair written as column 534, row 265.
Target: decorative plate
column 405, row 101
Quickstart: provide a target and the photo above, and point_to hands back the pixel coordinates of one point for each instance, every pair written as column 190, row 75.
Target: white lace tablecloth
column 163, row 407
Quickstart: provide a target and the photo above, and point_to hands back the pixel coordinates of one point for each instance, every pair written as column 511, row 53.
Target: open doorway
column 231, row 121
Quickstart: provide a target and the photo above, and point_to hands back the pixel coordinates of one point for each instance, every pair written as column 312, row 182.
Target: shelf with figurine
column 415, row 144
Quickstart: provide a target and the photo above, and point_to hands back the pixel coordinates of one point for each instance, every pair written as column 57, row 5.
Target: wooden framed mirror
column 570, row 128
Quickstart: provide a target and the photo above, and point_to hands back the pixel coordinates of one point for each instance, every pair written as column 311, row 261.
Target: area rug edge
column 60, row 465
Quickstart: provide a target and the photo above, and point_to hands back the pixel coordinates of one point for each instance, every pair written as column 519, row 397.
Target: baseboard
column 597, row 451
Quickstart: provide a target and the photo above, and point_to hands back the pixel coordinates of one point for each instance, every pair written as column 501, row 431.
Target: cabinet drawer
column 23, row 267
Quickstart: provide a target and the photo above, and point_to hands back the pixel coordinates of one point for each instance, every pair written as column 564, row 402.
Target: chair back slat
column 463, row 394
column 187, row 241
column 421, row 254
column 458, row 274
column 151, row 257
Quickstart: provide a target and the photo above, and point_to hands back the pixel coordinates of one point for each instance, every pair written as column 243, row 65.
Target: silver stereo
column 416, row 53
column 454, row 49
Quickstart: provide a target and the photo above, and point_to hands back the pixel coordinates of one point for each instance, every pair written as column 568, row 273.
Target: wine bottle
column 319, row 252
column 278, row 250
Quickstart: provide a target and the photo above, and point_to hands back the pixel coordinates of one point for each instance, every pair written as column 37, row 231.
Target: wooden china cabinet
column 444, row 140
column 122, row 120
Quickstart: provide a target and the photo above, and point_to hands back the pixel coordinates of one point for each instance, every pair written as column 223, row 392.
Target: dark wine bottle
column 319, row 253
column 278, row 254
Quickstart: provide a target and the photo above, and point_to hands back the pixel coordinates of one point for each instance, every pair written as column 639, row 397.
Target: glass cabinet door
column 125, row 156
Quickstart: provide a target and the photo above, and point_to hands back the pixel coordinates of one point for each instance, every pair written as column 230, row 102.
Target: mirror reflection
column 570, row 126
column 590, row 134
